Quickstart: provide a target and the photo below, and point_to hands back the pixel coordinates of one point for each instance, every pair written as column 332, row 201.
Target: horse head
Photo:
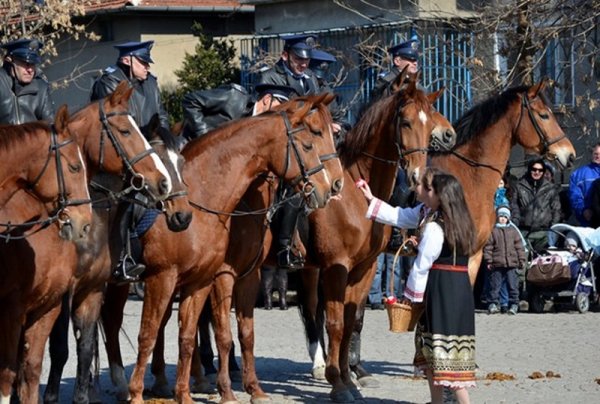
column 175, row 206
column 113, row 142
column 314, row 168
column 72, row 206
column 538, row 130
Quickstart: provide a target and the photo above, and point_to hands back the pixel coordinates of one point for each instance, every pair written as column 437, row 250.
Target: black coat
column 22, row 104
column 535, row 208
column 144, row 102
column 382, row 86
column 204, row 110
column 279, row 76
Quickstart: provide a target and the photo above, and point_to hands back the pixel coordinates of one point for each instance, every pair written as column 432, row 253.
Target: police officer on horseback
column 404, row 54
column 24, row 91
column 133, row 65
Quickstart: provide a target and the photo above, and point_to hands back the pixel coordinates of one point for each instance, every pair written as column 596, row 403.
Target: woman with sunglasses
column 535, row 205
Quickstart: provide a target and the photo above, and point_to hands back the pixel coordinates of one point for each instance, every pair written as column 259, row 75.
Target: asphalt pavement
column 562, row 348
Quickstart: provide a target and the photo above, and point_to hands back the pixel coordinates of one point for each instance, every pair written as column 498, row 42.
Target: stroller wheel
column 536, row 302
column 583, row 302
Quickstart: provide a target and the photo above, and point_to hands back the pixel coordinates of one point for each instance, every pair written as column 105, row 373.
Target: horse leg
column 364, row 378
column 220, row 301
column 311, row 311
column 336, row 277
column 474, row 263
column 190, row 306
column 85, row 327
column 161, row 388
column 203, row 355
column 159, row 291
column 115, row 299
column 10, row 335
column 245, row 292
column 34, row 344
column 59, row 352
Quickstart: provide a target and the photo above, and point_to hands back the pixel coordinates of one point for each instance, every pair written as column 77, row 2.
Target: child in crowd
column 503, row 254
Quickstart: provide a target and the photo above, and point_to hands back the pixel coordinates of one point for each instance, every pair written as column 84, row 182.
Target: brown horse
column 393, row 128
column 96, row 266
column 292, row 142
column 37, row 271
column 486, row 135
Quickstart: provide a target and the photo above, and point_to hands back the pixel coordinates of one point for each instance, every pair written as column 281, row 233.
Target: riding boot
column 287, row 258
column 128, row 269
column 354, row 357
column 282, row 279
column 267, row 287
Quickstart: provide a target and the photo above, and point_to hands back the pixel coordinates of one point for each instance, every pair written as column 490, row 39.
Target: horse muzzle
column 73, row 228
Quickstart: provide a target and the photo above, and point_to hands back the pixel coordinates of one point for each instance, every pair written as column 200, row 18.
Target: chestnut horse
column 400, row 126
column 96, row 267
column 486, row 135
column 36, row 272
column 291, row 142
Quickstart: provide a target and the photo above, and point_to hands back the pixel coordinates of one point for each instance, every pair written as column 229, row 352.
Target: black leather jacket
column 534, row 207
column 382, row 86
column 280, row 76
column 204, row 110
column 145, row 100
column 22, row 104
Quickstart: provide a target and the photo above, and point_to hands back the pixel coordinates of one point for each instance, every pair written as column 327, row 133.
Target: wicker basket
column 403, row 317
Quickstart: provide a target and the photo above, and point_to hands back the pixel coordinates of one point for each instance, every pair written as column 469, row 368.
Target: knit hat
column 503, row 211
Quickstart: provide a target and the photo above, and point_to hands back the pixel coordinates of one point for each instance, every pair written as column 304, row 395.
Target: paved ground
column 563, row 343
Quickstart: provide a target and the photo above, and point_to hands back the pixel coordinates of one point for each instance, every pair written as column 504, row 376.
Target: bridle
column 137, row 182
column 63, row 201
column 525, row 103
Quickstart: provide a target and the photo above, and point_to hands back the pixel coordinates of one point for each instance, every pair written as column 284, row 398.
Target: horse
column 293, row 142
column 402, row 124
column 110, row 141
column 96, row 266
column 486, row 134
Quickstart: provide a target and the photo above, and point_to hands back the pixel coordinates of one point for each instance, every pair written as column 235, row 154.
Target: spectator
column 503, row 254
column 580, row 185
column 535, row 205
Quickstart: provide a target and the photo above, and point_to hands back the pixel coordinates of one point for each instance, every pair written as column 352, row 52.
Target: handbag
column 548, row 270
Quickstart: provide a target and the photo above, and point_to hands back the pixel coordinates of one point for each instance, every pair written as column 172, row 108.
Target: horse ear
column 177, row 128
column 299, row 114
column 328, row 98
column 400, row 80
column 121, row 94
column 153, row 126
column 433, row 97
column 535, row 90
column 61, row 119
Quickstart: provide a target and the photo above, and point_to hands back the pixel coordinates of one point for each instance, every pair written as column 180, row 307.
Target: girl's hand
column 364, row 187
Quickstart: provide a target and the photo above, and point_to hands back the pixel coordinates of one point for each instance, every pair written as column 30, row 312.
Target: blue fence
column 362, row 56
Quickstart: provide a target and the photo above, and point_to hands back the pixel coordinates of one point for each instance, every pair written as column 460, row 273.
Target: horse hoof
column 203, row 387
column 369, row 382
column 344, row 396
column 263, row 399
column 319, row 373
column 161, row 391
column 230, row 402
column 235, row 375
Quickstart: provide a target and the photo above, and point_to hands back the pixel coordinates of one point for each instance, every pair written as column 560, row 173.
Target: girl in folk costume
column 445, row 337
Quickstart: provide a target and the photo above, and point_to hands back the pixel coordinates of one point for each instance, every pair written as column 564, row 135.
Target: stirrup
column 286, row 259
column 128, row 270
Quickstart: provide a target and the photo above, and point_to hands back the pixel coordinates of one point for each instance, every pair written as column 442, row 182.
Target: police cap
column 408, row 50
column 319, row 63
column 26, row 50
column 302, row 45
column 140, row 50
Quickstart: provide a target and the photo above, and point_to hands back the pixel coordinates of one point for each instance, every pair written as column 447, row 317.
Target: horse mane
column 483, row 115
column 12, row 136
column 371, row 120
column 166, row 136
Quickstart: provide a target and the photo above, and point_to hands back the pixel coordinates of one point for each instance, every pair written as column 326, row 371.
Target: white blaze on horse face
column 175, row 162
column 160, row 166
column 423, row 117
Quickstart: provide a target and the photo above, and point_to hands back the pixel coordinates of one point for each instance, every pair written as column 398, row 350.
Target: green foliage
column 209, row 66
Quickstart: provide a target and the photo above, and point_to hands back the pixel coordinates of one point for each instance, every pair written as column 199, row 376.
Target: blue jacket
column 580, row 184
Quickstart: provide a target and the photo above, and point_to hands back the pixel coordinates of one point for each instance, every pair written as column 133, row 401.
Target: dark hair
column 459, row 229
column 536, row 161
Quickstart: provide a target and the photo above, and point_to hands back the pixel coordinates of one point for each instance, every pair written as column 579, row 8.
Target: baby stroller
column 565, row 274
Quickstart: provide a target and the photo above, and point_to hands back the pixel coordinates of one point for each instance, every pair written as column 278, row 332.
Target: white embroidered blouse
column 430, row 243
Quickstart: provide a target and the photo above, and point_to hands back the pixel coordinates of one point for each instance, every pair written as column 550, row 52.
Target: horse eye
column 125, row 132
column 405, row 124
column 544, row 115
column 307, row 147
column 74, row 168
